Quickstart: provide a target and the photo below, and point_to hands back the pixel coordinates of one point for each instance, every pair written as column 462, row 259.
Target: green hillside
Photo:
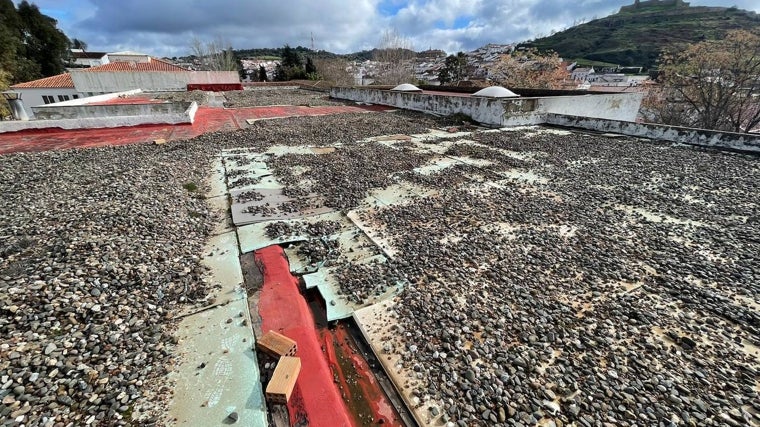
column 636, row 35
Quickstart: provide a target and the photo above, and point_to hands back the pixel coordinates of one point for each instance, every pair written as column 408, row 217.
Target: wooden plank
column 283, row 379
column 277, row 345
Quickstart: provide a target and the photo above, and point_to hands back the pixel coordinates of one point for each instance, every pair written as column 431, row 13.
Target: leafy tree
column 280, row 75
column 4, row 107
column 454, row 69
column 290, row 66
column 712, row 84
column 310, row 68
column 529, row 69
column 290, row 57
column 43, row 42
column 78, row 44
column 262, row 73
column 30, row 44
column 241, row 70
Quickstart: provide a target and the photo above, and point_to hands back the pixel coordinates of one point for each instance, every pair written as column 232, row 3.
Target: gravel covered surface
column 199, row 96
column 576, row 280
column 256, row 97
column 99, row 248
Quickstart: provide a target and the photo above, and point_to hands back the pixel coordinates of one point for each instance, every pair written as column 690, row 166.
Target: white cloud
column 165, row 27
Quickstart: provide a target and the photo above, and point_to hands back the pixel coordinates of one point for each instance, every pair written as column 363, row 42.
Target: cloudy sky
column 166, row 27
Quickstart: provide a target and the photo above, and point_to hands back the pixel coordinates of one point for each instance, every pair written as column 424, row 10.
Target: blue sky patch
column 390, row 7
column 460, row 22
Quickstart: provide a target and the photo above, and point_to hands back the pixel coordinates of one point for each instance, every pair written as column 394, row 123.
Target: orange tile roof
column 59, row 81
column 153, row 65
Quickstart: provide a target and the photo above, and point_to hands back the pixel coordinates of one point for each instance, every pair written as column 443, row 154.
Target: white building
column 133, row 71
column 46, row 91
column 582, row 74
column 88, row 59
column 129, row 56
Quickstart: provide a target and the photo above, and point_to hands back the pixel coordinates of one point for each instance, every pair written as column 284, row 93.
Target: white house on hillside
column 581, row 74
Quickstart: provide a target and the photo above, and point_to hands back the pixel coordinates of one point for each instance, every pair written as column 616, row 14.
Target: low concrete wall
column 486, row 111
column 742, row 142
column 185, row 117
column 501, row 112
column 61, row 112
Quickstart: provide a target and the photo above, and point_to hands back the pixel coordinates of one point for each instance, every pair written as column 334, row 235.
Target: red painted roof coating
column 153, row 65
column 59, row 81
column 207, row 119
column 316, row 400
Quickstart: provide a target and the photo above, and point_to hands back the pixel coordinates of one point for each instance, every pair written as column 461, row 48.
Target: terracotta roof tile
column 153, row 65
column 59, row 81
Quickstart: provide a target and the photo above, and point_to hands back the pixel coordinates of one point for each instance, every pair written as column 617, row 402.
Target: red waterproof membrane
column 316, row 400
column 207, row 119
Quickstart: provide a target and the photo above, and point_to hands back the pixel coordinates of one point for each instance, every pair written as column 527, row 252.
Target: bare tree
column 395, row 56
column 336, row 71
column 214, row 56
column 714, row 84
column 529, row 69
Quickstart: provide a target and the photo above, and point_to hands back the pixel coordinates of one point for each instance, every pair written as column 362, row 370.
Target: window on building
column 48, row 99
column 62, row 98
column 75, row 96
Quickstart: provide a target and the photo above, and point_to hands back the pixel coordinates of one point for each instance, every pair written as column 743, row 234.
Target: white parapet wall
column 731, row 141
column 161, row 110
column 186, row 116
column 504, row 111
